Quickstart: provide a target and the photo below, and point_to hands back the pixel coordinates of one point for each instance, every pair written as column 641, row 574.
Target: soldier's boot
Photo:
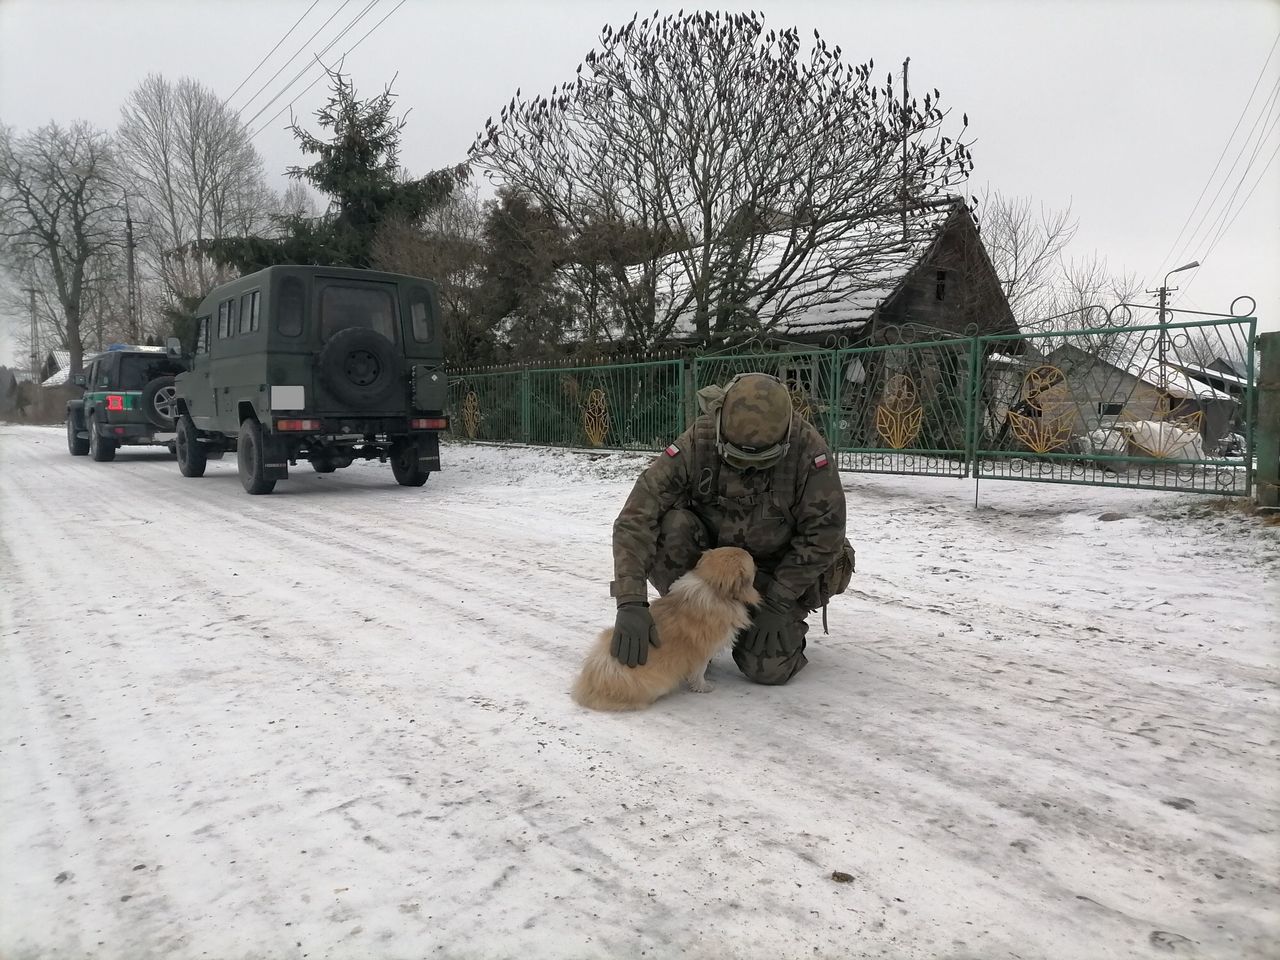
column 682, row 539
column 775, row 671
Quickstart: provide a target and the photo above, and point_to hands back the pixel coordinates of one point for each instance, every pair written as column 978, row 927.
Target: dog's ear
column 719, row 570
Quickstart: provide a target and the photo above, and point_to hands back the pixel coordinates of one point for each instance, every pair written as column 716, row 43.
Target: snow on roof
column 808, row 306
column 997, row 357
column 1196, row 369
column 62, row 364
column 1174, row 382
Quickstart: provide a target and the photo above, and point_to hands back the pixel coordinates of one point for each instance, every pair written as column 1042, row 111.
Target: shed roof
column 888, row 264
column 62, row 361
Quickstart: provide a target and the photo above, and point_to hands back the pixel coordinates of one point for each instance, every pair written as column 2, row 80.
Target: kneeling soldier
column 749, row 473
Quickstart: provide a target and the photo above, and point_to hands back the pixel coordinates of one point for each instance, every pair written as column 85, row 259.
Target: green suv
column 129, row 400
column 324, row 364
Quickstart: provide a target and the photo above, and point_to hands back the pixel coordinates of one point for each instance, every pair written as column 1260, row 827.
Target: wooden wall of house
column 954, row 289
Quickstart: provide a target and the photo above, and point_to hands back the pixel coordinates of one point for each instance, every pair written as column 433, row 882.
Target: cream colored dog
column 699, row 616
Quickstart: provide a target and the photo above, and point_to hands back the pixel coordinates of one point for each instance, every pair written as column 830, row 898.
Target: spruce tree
column 356, row 165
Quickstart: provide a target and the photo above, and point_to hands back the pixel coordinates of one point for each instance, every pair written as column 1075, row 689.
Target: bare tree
column 1026, row 247
column 1089, row 296
column 297, row 202
column 729, row 177
column 56, row 204
column 447, row 247
column 196, row 176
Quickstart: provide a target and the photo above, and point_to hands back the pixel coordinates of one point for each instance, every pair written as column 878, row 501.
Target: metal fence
column 1155, row 405
column 627, row 406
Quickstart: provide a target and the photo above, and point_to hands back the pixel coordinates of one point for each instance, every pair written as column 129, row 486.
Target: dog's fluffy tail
column 605, row 684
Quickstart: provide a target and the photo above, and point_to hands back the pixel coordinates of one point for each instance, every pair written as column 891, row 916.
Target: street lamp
column 1163, row 291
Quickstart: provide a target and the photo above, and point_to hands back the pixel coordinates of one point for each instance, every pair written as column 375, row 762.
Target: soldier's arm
column 820, row 522
column 661, row 486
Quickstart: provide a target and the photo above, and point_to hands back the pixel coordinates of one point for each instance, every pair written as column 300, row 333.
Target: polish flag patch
column 673, row 451
column 820, row 461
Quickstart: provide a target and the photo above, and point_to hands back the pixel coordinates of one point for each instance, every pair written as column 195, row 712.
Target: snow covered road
column 334, row 722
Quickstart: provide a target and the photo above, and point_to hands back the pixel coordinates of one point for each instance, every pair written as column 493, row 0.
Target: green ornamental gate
column 1163, row 406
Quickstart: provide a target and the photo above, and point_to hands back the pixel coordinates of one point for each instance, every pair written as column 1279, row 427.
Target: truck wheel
column 249, row 455
column 101, row 448
column 405, row 466
column 191, row 457
column 160, row 403
column 76, row 446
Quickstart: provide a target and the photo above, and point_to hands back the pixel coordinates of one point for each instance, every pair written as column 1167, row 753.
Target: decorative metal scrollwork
column 1040, row 429
column 471, row 414
column 899, row 414
column 595, row 417
column 800, row 401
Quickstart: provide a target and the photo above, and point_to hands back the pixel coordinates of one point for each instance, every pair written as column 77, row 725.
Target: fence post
column 973, row 399
column 689, row 380
column 526, row 407
column 1267, row 430
column 833, row 404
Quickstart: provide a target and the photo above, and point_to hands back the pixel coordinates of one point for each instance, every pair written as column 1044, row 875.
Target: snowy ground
column 333, row 722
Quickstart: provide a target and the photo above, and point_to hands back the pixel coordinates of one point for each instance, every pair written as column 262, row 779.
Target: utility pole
column 134, row 333
column 905, row 93
column 35, row 339
column 1163, row 291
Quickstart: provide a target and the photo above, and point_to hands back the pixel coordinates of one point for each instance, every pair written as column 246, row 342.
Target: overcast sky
column 1120, row 109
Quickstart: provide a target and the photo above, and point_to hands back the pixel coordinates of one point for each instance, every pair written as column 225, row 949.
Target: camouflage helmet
column 753, row 428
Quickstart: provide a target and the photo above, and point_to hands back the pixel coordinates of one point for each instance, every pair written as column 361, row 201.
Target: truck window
column 343, row 306
column 290, row 303
column 249, row 312
column 420, row 314
column 138, row 369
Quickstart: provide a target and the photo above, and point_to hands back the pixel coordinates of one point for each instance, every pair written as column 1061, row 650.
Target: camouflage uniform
column 790, row 517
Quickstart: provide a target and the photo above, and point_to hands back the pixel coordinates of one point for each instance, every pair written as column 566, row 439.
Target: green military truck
column 129, row 400
column 324, row 364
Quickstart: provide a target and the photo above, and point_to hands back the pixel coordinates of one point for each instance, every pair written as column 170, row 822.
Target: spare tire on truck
column 360, row 367
column 160, row 403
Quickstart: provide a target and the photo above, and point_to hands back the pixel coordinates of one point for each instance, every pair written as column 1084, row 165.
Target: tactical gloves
column 633, row 633
column 767, row 635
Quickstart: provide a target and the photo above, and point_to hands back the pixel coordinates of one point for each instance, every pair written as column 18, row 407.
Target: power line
column 327, row 47
column 1225, row 147
column 1240, row 209
column 322, row 75
column 271, row 51
column 304, row 46
column 1273, row 102
column 1222, row 216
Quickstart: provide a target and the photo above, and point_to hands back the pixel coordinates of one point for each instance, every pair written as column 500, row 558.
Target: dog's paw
column 702, row 685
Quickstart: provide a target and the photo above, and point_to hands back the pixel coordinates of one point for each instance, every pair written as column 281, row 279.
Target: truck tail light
column 115, row 402
column 298, row 425
column 429, row 423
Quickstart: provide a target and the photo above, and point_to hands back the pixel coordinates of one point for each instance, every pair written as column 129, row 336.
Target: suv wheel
column 405, row 465
column 101, row 448
column 249, row 455
column 160, row 402
column 76, row 446
column 187, row 448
